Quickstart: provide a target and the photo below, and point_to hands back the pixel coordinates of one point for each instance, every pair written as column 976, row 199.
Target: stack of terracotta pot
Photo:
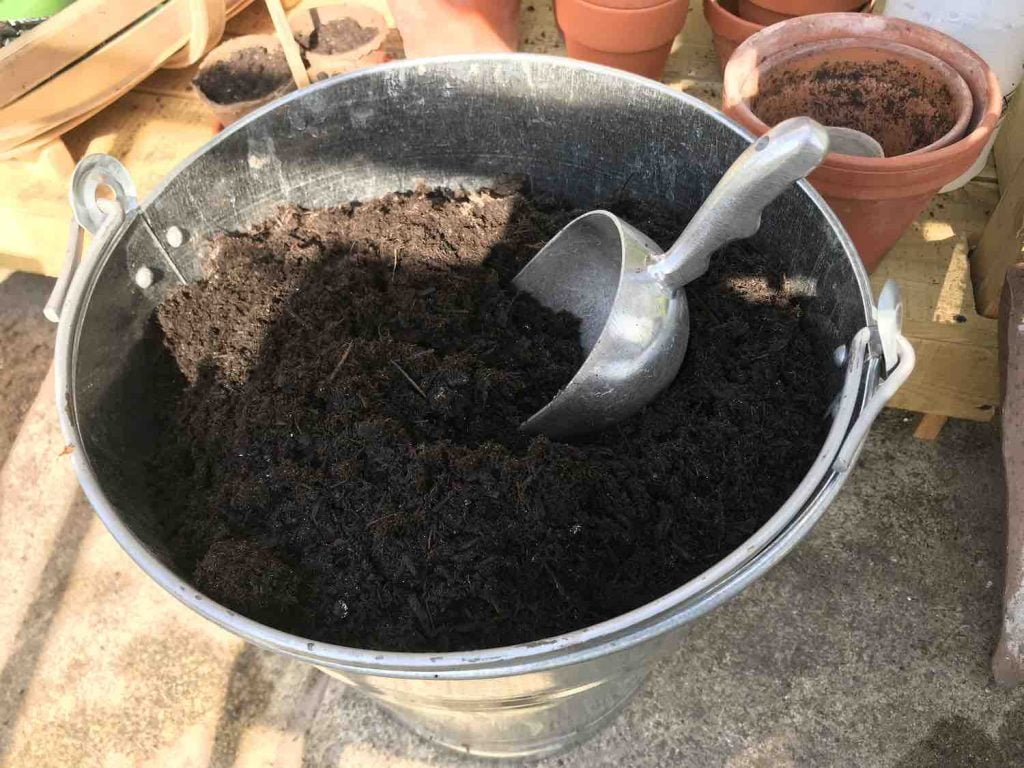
column 733, row 21
column 930, row 101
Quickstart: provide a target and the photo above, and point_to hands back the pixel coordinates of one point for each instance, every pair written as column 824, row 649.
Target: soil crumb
column 343, row 459
column 247, row 75
column 336, row 36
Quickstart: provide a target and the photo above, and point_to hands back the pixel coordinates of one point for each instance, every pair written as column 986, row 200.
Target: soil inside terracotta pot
column 341, row 456
column 336, row 36
column 248, row 74
column 902, row 108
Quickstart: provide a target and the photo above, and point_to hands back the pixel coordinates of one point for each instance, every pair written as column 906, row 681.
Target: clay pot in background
column 442, row 27
column 904, row 98
column 367, row 28
column 774, row 11
column 728, row 29
column 635, row 35
column 876, row 198
column 760, row 12
column 258, row 68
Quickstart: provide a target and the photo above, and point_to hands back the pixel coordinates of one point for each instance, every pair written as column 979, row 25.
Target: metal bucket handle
column 100, row 216
column 898, row 359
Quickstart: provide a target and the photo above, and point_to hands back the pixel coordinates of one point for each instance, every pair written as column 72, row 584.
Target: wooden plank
column 62, row 40
column 150, row 135
column 33, row 239
column 292, row 53
column 1001, row 246
column 1008, row 659
column 929, row 427
column 957, row 356
column 1009, row 148
column 59, row 159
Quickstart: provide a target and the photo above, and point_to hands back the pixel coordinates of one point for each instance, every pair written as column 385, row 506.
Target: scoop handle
column 786, row 153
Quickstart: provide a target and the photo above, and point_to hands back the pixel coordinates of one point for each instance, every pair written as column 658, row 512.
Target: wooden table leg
column 929, row 426
column 1008, row 660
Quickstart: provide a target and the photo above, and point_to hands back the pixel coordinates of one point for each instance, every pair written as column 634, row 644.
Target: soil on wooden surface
column 248, row 74
column 344, row 460
column 903, row 109
column 337, row 36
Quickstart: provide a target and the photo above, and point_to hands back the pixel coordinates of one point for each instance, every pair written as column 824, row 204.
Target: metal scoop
column 628, row 294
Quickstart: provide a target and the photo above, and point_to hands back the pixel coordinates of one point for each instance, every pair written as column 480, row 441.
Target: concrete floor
column 869, row 646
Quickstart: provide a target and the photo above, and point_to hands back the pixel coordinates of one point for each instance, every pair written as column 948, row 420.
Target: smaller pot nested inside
column 903, row 103
column 245, row 74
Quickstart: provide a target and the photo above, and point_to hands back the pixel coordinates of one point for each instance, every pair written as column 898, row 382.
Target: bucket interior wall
column 572, row 130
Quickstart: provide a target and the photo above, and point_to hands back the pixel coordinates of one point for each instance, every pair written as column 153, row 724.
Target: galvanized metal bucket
column 575, row 130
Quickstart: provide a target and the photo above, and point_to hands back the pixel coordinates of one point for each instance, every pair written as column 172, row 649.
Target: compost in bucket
column 342, row 460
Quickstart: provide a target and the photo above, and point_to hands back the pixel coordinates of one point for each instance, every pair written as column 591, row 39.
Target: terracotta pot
column 728, row 29
column 876, row 198
column 774, row 11
column 442, row 27
column 316, row 13
column 906, row 99
column 758, row 12
column 227, row 113
column 635, row 35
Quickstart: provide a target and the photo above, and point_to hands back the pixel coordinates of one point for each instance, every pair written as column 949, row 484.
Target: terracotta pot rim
column 875, row 27
column 715, row 11
column 959, row 90
column 627, row 5
column 791, row 7
column 767, row 17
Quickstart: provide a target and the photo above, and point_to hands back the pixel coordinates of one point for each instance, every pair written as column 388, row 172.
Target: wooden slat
column 62, row 40
column 929, row 427
column 1009, row 148
column 208, row 20
column 1001, row 246
column 102, row 77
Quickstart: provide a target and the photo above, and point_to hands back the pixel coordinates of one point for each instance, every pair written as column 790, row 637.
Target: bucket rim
column 706, row 591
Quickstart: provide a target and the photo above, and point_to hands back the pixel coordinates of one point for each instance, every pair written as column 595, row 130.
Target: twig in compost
column 408, row 378
column 394, row 267
column 558, row 584
column 622, row 189
column 697, row 299
column 344, row 357
column 298, row 319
